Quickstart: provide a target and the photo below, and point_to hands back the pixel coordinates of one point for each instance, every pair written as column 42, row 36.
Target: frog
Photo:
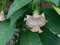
column 35, row 22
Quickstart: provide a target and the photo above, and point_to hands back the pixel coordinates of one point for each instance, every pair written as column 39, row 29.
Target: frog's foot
column 36, row 29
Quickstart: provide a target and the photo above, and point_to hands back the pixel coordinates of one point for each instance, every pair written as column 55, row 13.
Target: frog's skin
column 36, row 22
column 2, row 18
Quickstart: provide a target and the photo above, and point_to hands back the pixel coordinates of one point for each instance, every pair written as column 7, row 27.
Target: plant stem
column 35, row 8
column 3, row 5
column 41, row 6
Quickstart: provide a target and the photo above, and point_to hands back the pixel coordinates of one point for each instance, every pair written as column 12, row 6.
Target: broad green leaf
column 56, row 2
column 16, row 16
column 29, row 38
column 19, row 13
column 48, row 38
column 56, row 9
column 17, row 4
column 53, row 20
column 59, row 4
column 5, row 32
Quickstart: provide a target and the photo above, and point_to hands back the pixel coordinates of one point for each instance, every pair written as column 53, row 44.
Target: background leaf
column 5, row 32
column 59, row 4
column 56, row 9
column 48, row 38
column 19, row 13
column 53, row 20
column 29, row 38
column 17, row 4
column 56, row 2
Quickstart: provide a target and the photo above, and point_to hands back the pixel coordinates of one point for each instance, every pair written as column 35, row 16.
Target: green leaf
column 29, row 38
column 56, row 9
column 5, row 32
column 16, row 16
column 17, row 4
column 53, row 20
column 48, row 38
column 56, row 2
column 19, row 13
column 59, row 4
